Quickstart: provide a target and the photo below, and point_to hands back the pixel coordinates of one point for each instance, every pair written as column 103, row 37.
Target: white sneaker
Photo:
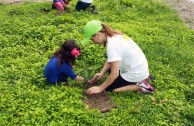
column 145, row 87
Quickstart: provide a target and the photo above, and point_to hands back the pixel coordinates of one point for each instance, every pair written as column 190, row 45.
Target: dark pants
column 82, row 6
column 119, row 82
column 60, row 79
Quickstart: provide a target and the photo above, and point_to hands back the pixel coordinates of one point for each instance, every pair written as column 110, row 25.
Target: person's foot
column 145, row 87
column 93, row 9
column 45, row 10
column 149, row 78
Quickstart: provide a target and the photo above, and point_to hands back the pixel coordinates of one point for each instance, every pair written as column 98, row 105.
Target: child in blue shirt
column 59, row 67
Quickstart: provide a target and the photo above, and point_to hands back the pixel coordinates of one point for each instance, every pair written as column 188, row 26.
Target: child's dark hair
column 64, row 52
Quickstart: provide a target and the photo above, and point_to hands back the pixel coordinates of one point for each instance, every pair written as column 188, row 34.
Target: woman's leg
column 142, row 86
column 62, row 78
column 128, row 88
column 121, row 84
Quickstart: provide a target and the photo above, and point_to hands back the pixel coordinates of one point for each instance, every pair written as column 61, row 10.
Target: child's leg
column 62, row 78
column 59, row 6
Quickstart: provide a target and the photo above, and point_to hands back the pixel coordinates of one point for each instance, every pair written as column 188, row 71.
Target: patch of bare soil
column 100, row 101
column 21, row 1
column 185, row 9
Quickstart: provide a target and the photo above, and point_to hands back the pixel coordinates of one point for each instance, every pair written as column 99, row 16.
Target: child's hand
column 79, row 78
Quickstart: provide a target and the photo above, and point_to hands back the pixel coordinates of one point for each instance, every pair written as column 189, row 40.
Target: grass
column 28, row 37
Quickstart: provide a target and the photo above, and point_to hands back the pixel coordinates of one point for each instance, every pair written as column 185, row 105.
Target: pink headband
column 75, row 52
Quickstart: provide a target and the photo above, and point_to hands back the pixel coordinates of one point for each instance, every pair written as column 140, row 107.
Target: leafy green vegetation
column 28, row 37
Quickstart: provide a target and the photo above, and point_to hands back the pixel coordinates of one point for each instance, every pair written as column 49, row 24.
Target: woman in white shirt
column 126, row 62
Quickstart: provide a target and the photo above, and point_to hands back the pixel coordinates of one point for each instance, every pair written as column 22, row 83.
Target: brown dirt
column 101, row 101
column 21, row 1
column 184, row 8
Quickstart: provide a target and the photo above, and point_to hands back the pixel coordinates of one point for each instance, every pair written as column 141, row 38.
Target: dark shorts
column 119, row 82
column 61, row 78
column 81, row 6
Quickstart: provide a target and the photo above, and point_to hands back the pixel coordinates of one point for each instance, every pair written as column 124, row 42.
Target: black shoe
column 45, row 10
column 93, row 9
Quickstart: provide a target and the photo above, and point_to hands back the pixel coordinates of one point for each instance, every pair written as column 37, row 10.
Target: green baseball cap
column 91, row 28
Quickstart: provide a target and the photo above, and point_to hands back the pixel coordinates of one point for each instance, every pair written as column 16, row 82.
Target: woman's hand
column 97, row 77
column 94, row 90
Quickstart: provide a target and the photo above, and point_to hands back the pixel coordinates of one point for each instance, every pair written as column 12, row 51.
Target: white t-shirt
column 86, row 1
column 133, row 64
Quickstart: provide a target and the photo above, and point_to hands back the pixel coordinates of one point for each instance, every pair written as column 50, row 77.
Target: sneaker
column 145, row 86
column 150, row 78
column 93, row 9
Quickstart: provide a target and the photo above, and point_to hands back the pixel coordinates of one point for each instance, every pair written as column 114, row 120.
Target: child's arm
column 79, row 78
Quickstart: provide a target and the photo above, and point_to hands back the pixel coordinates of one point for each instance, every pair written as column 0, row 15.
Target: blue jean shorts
column 82, row 5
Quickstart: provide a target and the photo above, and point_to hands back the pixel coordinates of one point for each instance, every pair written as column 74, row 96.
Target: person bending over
column 59, row 67
column 126, row 62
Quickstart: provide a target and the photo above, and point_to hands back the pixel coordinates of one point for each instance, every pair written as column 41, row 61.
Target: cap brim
column 85, row 41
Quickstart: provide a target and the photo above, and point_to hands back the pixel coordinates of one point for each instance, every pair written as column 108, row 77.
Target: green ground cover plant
column 28, row 37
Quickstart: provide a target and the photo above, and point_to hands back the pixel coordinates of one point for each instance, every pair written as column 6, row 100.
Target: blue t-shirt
column 54, row 73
